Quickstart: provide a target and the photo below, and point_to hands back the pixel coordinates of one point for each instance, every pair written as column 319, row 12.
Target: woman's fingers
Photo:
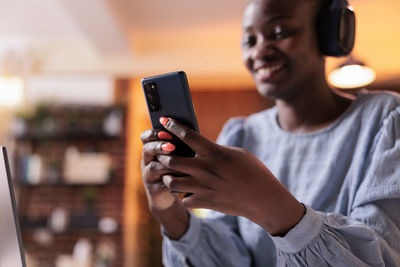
column 155, row 148
column 190, row 166
column 155, row 142
column 193, row 139
column 181, row 183
column 153, row 171
column 154, row 135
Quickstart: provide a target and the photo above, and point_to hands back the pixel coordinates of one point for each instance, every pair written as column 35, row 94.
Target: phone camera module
column 151, row 94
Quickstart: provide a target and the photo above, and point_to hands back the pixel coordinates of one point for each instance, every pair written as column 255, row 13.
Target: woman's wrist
column 278, row 217
column 288, row 219
column 174, row 219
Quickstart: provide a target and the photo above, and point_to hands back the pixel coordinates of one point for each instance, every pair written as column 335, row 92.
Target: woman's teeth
column 269, row 70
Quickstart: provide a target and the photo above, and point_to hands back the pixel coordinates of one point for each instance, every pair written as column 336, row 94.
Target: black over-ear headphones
column 336, row 28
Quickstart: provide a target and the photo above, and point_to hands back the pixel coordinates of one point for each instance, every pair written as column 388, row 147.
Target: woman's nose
column 262, row 50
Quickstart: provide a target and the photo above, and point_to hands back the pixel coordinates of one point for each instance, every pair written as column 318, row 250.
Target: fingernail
column 164, row 121
column 168, row 147
column 164, row 135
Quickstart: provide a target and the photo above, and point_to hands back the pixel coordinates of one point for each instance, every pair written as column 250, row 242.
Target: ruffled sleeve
column 208, row 242
column 369, row 235
column 382, row 175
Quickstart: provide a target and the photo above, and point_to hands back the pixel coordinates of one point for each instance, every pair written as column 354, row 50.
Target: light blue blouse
column 347, row 175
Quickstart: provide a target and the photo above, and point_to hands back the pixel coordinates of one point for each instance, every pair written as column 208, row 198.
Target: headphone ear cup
column 336, row 29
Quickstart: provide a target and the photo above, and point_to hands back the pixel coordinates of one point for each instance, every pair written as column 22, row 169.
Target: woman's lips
column 266, row 73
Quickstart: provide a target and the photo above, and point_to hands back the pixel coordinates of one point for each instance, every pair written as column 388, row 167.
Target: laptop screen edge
column 14, row 205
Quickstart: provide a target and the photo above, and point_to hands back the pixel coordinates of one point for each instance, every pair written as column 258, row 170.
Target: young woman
column 313, row 181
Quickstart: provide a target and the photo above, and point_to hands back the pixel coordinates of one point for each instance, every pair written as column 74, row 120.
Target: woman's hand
column 164, row 205
column 155, row 142
column 230, row 180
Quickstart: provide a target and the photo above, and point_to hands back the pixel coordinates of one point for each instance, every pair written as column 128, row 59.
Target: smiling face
column 280, row 47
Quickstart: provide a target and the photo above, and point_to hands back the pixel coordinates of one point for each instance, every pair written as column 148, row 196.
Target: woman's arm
column 230, row 180
column 223, row 179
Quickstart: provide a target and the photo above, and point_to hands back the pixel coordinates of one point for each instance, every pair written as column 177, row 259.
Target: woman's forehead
column 281, row 3
column 265, row 9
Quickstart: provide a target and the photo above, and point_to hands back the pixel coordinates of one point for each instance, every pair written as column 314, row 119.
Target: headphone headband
column 339, row 3
column 336, row 28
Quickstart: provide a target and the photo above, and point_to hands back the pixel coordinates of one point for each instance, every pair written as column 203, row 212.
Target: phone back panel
column 175, row 102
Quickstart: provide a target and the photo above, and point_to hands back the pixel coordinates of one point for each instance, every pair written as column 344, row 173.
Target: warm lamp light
column 351, row 74
column 11, row 90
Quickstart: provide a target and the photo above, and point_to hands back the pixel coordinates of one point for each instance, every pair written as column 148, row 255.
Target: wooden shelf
column 70, row 231
column 85, row 203
column 73, row 136
column 61, row 184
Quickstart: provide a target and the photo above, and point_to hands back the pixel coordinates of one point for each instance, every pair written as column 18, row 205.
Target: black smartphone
column 168, row 95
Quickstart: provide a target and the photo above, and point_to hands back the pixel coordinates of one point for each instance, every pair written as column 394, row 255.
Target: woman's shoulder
column 379, row 99
column 243, row 123
column 235, row 128
column 373, row 105
column 372, row 110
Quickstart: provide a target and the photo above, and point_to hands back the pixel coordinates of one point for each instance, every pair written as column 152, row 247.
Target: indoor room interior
column 72, row 108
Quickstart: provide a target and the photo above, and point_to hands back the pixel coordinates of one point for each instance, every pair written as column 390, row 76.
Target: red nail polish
column 168, row 147
column 164, row 135
column 164, row 121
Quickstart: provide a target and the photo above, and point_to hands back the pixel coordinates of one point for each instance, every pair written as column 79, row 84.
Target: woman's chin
column 269, row 91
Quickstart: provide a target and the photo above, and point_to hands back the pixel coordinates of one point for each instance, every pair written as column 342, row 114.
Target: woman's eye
column 280, row 33
column 249, row 41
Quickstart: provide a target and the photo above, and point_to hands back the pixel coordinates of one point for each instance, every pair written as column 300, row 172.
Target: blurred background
column 72, row 109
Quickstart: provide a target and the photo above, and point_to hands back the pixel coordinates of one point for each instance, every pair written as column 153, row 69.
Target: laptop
column 11, row 249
